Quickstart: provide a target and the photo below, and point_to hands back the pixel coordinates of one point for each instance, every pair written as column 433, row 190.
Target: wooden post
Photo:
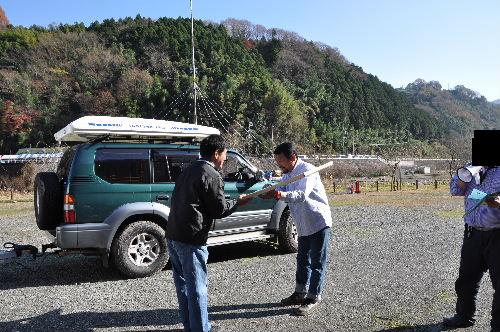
column 416, row 184
column 376, row 184
column 435, row 184
column 334, row 187
column 12, row 195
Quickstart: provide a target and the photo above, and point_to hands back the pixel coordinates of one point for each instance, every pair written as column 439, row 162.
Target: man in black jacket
column 197, row 200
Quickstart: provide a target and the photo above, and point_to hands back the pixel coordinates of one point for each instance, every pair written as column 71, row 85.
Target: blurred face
column 218, row 158
column 286, row 165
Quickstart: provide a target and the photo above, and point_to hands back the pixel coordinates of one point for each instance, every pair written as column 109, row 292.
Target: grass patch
column 450, row 214
column 21, row 205
column 5, row 197
column 334, row 202
column 15, row 208
column 407, row 198
column 15, row 201
column 15, row 212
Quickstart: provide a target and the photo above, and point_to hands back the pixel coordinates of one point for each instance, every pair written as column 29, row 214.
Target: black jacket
column 197, row 200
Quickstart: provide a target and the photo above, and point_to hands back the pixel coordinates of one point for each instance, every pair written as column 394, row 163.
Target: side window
column 168, row 166
column 234, row 170
column 65, row 163
column 122, row 165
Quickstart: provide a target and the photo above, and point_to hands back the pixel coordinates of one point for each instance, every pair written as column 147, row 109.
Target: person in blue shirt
column 480, row 248
column 311, row 213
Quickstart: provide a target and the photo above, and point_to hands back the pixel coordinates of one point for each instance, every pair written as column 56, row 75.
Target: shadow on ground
column 56, row 320
column 52, row 270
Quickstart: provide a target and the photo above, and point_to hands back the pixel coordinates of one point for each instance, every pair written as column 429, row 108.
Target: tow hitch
column 13, row 250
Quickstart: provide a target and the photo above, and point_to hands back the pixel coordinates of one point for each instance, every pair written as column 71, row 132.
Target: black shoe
column 458, row 321
column 306, row 307
column 294, row 299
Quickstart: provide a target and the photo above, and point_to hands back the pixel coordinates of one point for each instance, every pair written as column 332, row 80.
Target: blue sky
column 455, row 42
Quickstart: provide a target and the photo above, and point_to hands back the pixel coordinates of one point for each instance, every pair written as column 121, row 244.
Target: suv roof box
column 88, row 128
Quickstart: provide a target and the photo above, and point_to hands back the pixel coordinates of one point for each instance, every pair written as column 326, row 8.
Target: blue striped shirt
column 307, row 200
column 483, row 216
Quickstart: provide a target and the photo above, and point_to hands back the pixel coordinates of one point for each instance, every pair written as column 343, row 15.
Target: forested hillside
column 460, row 110
column 269, row 80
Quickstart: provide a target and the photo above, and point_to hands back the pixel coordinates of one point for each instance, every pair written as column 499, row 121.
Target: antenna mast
column 194, row 67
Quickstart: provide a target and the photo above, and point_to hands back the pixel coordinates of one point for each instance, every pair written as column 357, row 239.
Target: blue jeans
column 312, row 256
column 189, row 267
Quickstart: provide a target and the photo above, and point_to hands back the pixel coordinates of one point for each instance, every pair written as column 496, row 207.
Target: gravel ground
column 392, row 268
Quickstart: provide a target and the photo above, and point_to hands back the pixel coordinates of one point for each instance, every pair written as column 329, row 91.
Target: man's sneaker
column 458, row 321
column 294, row 299
column 307, row 306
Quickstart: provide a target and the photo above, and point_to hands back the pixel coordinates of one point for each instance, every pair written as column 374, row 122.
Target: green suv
column 112, row 199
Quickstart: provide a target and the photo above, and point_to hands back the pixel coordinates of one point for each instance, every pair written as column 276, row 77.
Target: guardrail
column 30, row 157
column 342, row 156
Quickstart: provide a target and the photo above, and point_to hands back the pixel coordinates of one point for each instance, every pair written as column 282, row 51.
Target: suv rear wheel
column 287, row 233
column 140, row 249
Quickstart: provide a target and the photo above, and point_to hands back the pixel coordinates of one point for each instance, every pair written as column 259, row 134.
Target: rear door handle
column 162, row 198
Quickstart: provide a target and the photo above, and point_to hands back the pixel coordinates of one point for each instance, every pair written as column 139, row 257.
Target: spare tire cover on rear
column 48, row 200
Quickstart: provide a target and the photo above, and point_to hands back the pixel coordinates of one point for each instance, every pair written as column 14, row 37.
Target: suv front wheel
column 287, row 233
column 140, row 249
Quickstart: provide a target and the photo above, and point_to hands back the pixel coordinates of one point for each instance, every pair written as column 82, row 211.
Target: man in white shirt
column 311, row 212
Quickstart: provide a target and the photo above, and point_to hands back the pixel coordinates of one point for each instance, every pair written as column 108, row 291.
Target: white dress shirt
column 307, row 200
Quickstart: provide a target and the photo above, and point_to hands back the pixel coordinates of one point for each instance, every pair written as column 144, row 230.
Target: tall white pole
column 195, row 118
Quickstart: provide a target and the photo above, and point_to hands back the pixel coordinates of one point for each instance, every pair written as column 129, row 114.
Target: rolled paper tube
column 290, row 180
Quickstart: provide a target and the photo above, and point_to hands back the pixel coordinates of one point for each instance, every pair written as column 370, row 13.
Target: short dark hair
column 286, row 148
column 211, row 144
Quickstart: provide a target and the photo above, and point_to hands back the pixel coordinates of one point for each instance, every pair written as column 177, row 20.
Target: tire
column 287, row 233
column 48, row 200
column 140, row 249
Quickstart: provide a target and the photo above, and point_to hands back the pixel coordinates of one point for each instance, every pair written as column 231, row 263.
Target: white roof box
column 88, row 127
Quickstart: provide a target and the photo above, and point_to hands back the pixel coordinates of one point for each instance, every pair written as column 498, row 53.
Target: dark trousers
column 311, row 263
column 480, row 252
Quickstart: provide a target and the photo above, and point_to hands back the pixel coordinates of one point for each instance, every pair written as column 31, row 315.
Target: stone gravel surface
column 392, row 268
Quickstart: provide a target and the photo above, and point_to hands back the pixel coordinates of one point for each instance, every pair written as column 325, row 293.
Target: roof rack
column 99, row 128
column 140, row 139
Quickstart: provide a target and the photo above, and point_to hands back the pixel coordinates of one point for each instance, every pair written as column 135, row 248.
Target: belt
column 484, row 229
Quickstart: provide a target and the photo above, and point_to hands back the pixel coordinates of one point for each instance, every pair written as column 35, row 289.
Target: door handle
column 227, row 196
column 162, row 198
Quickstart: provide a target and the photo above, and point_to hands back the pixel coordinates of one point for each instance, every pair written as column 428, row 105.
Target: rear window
column 168, row 165
column 122, row 165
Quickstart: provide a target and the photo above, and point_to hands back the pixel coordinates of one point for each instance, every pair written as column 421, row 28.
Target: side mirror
column 259, row 176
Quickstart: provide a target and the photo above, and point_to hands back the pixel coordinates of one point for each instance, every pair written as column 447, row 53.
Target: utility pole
column 195, row 118
column 353, row 144
column 343, row 140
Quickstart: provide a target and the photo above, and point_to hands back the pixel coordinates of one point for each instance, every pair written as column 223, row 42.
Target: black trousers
column 480, row 252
